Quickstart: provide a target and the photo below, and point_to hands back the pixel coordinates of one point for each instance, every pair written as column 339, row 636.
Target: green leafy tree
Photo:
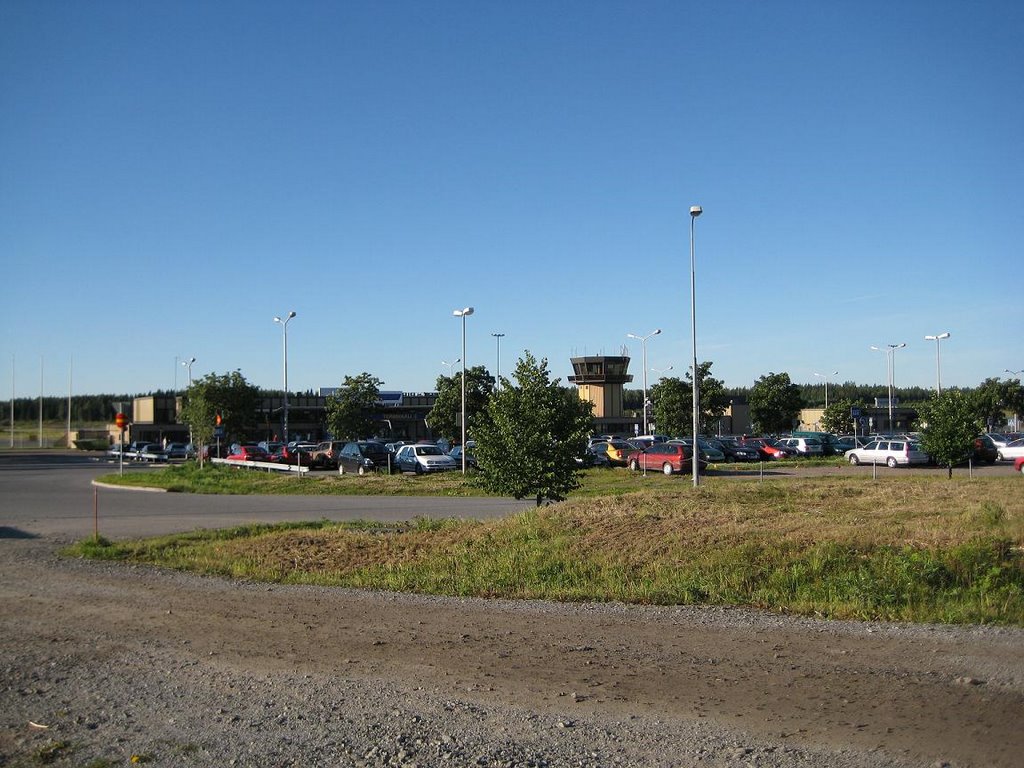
column 351, row 410
column 993, row 399
column 948, row 423
column 672, row 400
column 227, row 394
column 713, row 399
column 775, row 403
column 444, row 416
column 836, row 418
column 530, row 434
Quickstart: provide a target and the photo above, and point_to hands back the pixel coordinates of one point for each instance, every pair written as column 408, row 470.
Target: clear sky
column 174, row 175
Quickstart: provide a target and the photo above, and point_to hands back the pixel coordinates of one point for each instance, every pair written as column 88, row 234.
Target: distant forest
column 814, row 394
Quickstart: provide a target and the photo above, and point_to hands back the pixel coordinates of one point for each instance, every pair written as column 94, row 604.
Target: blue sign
column 855, row 413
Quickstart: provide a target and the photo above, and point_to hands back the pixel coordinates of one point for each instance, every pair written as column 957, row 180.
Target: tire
column 854, row 460
column 999, row 456
column 891, row 462
column 728, row 459
column 633, row 465
column 361, row 471
column 419, row 469
column 667, row 468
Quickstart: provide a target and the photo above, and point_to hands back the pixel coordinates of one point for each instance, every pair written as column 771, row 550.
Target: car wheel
column 361, row 471
column 633, row 465
column 854, row 460
column 667, row 469
column 891, row 462
column 999, row 456
column 728, row 459
column 419, row 469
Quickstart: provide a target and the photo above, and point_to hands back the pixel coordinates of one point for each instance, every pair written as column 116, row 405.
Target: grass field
column 902, row 547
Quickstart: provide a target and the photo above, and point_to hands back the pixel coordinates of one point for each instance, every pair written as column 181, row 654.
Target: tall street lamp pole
column 890, row 355
column 463, row 313
column 451, row 365
column 497, row 374
column 643, row 344
column 938, row 375
column 825, row 377
column 284, row 326
column 695, row 211
column 188, row 365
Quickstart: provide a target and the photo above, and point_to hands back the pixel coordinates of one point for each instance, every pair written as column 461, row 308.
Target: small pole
column 96, row 513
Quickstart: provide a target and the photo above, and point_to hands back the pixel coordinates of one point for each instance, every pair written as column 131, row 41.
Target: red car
column 767, row 448
column 248, row 453
column 1018, row 465
column 669, row 458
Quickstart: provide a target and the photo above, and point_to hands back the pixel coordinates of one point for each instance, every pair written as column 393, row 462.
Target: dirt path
column 861, row 694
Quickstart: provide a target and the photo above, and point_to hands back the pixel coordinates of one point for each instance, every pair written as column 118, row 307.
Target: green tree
column 530, row 434
column 351, row 409
column 994, row 398
column 775, row 403
column 227, row 394
column 948, row 423
column 836, row 418
column 444, row 416
column 713, row 399
column 672, row 400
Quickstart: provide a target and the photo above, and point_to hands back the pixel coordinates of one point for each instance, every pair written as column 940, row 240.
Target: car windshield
column 428, row 450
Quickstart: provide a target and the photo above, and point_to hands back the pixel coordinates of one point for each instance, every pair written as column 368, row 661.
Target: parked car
column 248, row 453
column 767, row 448
column 592, row 458
column 671, row 458
column 116, row 450
column 1018, row 465
column 802, row 446
column 326, row 454
column 999, row 439
column 892, row 453
column 709, row 453
column 176, row 451
column 617, row 451
column 291, row 454
column 984, row 449
column 362, row 457
column 1011, row 451
column 270, row 446
column 151, row 452
column 420, row 458
column 456, row 453
column 736, row 451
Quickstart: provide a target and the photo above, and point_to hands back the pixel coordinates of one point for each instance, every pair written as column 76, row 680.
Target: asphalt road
column 51, row 494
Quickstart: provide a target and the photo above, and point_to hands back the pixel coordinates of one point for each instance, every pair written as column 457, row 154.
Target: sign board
column 855, row 413
column 218, row 432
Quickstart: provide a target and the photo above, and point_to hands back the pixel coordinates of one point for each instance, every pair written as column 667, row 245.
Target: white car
column 1012, row 450
column 423, row 458
column 803, row 446
column 892, row 453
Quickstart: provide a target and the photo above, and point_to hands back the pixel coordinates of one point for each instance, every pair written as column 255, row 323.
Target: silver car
column 892, row 453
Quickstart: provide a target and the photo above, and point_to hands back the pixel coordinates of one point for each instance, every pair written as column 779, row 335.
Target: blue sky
column 174, row 175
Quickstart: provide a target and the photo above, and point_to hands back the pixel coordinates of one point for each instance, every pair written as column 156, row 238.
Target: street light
column 188, row 364
column 284, row 326
column 463, row 313
column 890, row 355
column 643, row 344
column 938, row 377
column 825, row 377
column 695, row 211
column 450, row 365
column 661, row 371
column 497, row 374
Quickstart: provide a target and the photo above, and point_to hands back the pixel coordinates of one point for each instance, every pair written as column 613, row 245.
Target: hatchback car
column 423, row 458
column 802, row 446
column 736, row 451
column 669, row 458
column 248, row 453
column 1011, row 451
column 983, row 449
column 326, row 454
column 617, row 451
column 362, row 457
column 892, row 453
column 176, row 451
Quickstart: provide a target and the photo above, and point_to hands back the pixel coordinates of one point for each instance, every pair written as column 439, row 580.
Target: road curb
column 145, row 489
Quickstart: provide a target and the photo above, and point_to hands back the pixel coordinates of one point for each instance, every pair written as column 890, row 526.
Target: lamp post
column 938, row 375
column 661, row 371
column 284, row 326
column 188, row 365
column 890, row 355
column 643, row 344
column 497, row 374
column 695, row 211
column 463, row 313
column 825, row 377
column 452, row 364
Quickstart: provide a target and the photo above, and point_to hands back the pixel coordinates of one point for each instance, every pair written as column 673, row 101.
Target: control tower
column 599, row 379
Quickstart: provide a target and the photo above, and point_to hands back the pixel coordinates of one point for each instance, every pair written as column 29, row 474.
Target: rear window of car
column 428, row 450
column 620, row 445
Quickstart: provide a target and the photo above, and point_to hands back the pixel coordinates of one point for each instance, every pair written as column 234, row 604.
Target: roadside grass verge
column 920, row 549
